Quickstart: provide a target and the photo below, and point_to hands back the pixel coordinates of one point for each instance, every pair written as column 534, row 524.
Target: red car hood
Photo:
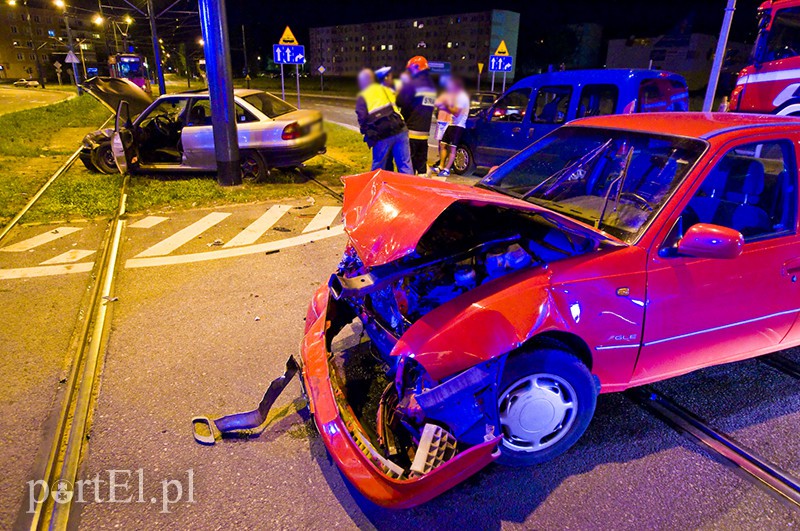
column 386, row 214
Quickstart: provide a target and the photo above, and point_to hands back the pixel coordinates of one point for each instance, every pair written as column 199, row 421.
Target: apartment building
column 462, row 41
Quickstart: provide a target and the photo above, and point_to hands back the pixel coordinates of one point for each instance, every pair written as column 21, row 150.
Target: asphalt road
column 18, row 99
column 207, row 337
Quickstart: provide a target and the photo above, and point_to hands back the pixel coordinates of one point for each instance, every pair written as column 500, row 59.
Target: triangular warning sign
column 287, row 37
column 501, row 50
column 71, row 58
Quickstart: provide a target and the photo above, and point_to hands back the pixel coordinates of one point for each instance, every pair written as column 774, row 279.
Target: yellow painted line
column 40, row 239
column 74, row 255
column 139, row 261
column 45, row 271
column 256, row 229
column 324, row 218
column 147, row 223
column 184, row 235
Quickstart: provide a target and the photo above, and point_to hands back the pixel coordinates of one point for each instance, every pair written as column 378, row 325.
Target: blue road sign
column 287, row 54
column 439, row 67
column 500, row 63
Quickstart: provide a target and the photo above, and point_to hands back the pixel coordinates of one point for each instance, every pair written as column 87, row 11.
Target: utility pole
column 162, row 87
column 34, row 50
column 219, row 75
column 719, row 56
column 246, row 67
column 75, row 73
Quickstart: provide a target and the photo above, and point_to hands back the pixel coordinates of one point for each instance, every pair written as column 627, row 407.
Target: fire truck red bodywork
column 771, row 82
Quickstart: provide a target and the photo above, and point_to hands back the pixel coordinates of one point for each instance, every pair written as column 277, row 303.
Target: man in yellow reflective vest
column 381, row 124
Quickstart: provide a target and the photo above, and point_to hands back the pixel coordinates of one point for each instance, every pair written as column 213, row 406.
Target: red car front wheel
column 546, row 402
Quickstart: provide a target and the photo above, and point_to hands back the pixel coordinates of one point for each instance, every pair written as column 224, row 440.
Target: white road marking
column 346, row 126
column 257, row 228
column 234, row 251
column 41, row 239
column 147, row 223
column 324, row 219
column 75, row 255
column 184, row 236
column 45, row 271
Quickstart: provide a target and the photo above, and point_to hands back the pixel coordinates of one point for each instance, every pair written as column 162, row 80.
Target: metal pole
column 162, row 87
column 492, row 81
column 321, row 83
column 219, row 75
column 76, row 76
column 39, row 69
column 719, row 56
column 283, row 89
column 246, row 67
column 297, row 78
column 83, row 61
column 479, row 80
column 504, row 82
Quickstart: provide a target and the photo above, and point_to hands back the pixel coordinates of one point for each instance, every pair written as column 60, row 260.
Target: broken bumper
column 343, row 436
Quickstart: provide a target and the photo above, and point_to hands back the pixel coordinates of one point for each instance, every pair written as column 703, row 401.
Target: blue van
column 538, row 104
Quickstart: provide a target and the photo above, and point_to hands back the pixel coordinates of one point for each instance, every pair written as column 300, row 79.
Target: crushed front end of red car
column 406, row 410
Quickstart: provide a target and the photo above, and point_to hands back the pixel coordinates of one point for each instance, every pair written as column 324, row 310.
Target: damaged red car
column 468, row 324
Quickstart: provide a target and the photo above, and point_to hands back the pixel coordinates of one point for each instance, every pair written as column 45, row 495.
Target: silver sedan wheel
column 536, row 412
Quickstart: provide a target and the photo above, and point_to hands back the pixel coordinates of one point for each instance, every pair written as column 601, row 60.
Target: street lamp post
column 162, row 87
column 75, row 73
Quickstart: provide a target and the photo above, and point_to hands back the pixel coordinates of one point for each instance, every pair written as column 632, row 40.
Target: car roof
column 598, row 75
column 690, row 124
column 238, row 92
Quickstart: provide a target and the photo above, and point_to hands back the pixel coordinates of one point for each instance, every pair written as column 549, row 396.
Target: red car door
column 704, row 311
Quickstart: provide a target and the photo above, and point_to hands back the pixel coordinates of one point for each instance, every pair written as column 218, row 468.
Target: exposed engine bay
column 414, row 423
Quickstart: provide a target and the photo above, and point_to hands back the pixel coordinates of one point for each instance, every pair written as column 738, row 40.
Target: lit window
column 391, row 46
column 383, row 46
column 415, row 24
column 449, row 44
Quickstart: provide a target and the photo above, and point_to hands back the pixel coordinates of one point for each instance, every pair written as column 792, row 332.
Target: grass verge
column 80, row 194
column 34, row 143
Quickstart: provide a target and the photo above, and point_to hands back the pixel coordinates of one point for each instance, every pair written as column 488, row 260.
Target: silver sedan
column 174, row 133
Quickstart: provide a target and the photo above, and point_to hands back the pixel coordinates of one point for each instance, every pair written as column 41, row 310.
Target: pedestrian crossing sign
column 287, row 37
column 501, row 50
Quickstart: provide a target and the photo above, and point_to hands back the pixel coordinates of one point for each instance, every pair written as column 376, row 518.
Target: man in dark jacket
column 381, row 124
column 416, row 103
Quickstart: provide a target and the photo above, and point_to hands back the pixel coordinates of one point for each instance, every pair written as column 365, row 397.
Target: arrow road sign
column 72, row 58
column 500, row 63
column 288, row 55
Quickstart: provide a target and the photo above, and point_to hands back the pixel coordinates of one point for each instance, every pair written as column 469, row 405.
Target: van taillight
column 292, row 131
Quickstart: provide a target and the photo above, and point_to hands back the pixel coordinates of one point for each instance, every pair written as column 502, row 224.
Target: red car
column 471, row 324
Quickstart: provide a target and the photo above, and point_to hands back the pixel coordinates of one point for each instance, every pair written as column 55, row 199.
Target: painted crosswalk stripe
column 257, row 228
column 147, row 223
column 324, row 218
column 184, row 236
column 45, row 271
column 75, row 255
column 41, row 239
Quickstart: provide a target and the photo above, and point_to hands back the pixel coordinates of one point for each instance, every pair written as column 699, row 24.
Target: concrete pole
column 75, row 75
column 219, row 75
column 719, row 56
column 246, row 66
column 162, row 87
column 34, row 49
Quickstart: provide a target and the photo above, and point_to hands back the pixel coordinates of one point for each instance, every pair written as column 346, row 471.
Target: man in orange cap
column 416, row 101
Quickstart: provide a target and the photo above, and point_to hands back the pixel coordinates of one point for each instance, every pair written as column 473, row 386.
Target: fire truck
column 771, row 82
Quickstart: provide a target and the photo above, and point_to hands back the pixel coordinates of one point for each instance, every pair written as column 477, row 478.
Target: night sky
column 619, row 18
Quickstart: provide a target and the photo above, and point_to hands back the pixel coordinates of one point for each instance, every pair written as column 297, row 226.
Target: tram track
column 725, row 448
column 70, row 434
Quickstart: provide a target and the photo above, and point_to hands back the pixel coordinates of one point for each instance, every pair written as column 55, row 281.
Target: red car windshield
column 614, row 180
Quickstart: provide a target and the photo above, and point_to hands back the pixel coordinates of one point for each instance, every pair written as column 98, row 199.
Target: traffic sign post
column 58, row 71
column 321, row 71
column 501, row 61
column 289, row 52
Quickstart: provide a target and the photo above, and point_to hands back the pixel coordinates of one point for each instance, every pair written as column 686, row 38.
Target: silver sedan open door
column 123, row 143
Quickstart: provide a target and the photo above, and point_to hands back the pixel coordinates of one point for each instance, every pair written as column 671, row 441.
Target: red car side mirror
column 705, row 240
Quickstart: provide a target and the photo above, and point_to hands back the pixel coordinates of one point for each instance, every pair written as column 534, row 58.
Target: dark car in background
column 539, row 104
